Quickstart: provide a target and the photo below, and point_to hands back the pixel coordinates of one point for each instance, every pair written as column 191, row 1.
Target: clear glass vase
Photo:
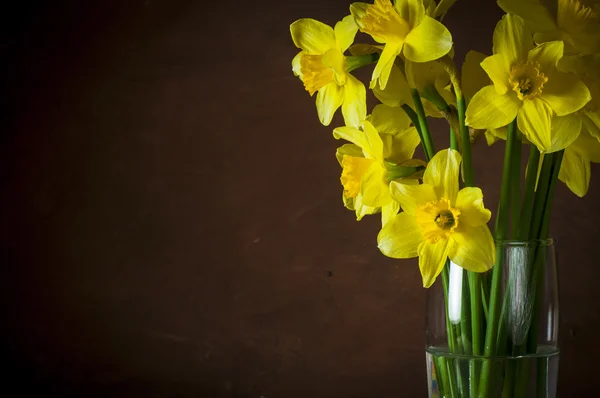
column 495, row 335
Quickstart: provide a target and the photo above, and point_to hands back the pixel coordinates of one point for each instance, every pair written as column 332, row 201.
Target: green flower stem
column 528, row 195
column 496, row 286
column 412, row 115
column 466, row 141
column 426, row 140
column 449, row 327
column 356, row 61
column 453, row 140
column 515, row 171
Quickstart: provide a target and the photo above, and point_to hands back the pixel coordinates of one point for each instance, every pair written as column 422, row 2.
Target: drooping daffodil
column 323, row 68
column 575, row 22
column 381, row 150
column 404, row 28
column 575, row 170
column 527, row 86
column 439, row 221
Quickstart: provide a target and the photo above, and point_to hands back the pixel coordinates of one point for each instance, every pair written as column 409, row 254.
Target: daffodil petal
column 495, row 67
column 348, row 150
column 474, row 76
column 565, row 130
column 427, row 41
column 345, row 30
column 374, row 143
column 388, row 119
column 535, row 12
column 547, row 55
column 329, row 99
column 442, row 174
column 389, row 211
column 410, row 196
column 534, row 121
column 400, row 237
column 432, row 258
column 587, row 145
column 512, row 39
column 490, row 110
column 382, row 70
column 575, row 172
column 591, row 123
column 362, row 210
column 354, row 107
column 396, row 92
column 424, row 74
column 312, row 36
column 374, row 186
column 473, row 248
column 472, row 211
column 296, row 65
column 400, row 147
column 358, row 11
column 565, row 93
column 412, row 11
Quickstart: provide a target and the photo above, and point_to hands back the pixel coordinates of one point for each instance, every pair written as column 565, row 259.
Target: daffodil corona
column 439, row 221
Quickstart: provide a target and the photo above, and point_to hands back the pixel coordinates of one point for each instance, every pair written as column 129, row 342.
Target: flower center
column 315, row 74
column 527, row 80
column 353, row 170
column 437, row 220
column 383, row 22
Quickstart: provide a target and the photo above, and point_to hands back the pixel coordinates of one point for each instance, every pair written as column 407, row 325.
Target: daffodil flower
column 324, row 69
column 528, row 86
column 439, row 221
column 575, row 22
column 405, row 29
column 381, row 151
column 575, row 169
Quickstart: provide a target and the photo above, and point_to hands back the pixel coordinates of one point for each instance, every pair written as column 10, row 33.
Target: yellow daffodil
column 528, row 86
column 575, row 170
column 439, row 221
column 380, row 152
column 575, row 22
column 324, row 69
column 405, row 29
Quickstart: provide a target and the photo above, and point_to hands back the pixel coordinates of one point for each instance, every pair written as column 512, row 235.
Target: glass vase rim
column 525, row 242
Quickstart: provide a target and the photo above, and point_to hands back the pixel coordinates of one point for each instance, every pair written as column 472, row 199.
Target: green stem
column 356, row 61
column 426, row 140
column 449, row 326
column 467, row 163
column 453, row 140
column 515, row 171
column 501, row 231
column 529, row 191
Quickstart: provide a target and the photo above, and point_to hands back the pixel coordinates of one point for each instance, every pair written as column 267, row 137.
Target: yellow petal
column 345, row 30
column 512, row 39
column 411, row 11
column 575, row 172
column 537, row 13
column 362, row 210
column 490, row 110
column 374, row 143
column 354, row 107
column 329, row 99
column 472, row 211
column 427, row 41
column 382, row 70
column 296, row 65
column 534, row 121
column 565, row 93
column 587, row 146
column 351, row 134
column 389, row 120
column 565, row 130
column 348, row 150
column 424, row 74
column 591, row 123
column 389, row 211
column 473, row 248
column 396, row 92
column 358, row 11
column 432, row 258
column 410, row 196
column 374, row 186
column 495, row 67
column 442, row 174
column 368, row 139
column 400, row 237
column 474, row 76
column 547, row 55
column 442, row 8
column 312, row 36
column 400, row 147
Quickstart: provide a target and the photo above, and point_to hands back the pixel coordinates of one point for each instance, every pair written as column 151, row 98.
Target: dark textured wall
column 172, row 223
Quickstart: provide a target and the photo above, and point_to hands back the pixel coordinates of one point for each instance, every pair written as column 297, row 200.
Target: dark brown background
column 172, row 223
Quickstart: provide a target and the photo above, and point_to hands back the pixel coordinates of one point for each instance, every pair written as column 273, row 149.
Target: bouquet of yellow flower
column 486, row 336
